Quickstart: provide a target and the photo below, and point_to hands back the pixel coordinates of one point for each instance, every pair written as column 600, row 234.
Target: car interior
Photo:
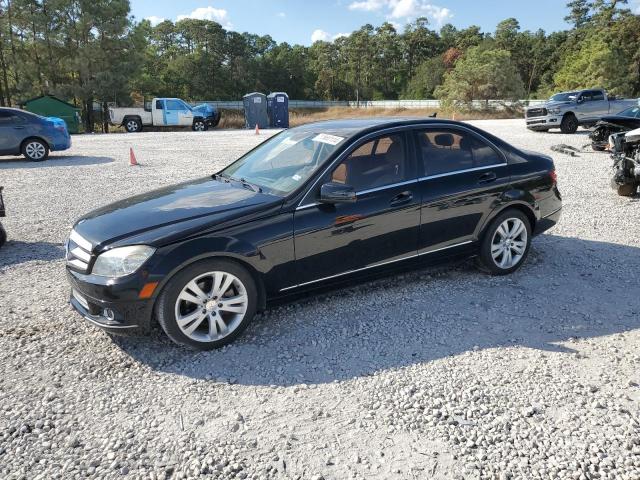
column 375, row 164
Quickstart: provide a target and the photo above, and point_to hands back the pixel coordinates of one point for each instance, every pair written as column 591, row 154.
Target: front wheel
column 208, row 304
column 569, row 123
column 506, row 243
column 35, row 150
column 199, row 126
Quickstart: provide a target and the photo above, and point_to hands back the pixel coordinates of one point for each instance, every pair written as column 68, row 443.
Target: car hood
column 205, row 110
column 165, row 215
column 621, row 120
column 551, row 105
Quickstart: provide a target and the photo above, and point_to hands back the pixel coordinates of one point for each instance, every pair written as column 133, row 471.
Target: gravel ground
column 439, row 373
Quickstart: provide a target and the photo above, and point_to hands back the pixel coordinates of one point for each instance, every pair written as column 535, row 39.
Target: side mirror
column 337, row 193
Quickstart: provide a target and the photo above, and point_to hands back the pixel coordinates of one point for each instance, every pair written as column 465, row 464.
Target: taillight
column 554, row 176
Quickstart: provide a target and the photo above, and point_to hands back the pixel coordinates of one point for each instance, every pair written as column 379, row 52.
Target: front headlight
column 122, row 261
column 555, row 111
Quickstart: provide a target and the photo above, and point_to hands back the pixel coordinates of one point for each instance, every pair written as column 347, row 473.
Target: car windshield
column 564, row 97
column 631, row 112
column 283, row 163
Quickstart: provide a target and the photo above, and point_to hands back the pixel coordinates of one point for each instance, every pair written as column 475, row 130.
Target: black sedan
column 624, row 121
column 313, row 205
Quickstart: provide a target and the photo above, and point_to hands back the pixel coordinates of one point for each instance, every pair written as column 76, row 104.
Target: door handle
column 487, row 177
column 401, row 198
column 18, row 128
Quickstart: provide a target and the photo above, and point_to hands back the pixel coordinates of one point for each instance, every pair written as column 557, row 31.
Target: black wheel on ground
column 35, row 150
column 199, row 125
column 506, row 243
column 133, row 125
column 627, row 189
column 569, row 123
column 208, row 304
column 3, row 235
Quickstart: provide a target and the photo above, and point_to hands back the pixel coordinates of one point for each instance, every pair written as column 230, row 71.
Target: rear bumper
column 547, row 221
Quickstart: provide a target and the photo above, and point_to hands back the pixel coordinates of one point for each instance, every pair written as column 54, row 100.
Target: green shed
column 50, row 106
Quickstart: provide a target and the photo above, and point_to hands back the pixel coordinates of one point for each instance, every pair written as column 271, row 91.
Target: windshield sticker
column 326, row 138
column 297, row 177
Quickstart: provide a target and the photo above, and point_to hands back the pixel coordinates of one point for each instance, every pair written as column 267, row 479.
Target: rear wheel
column 569, row 123
column 35, row 150
column 133, row 125
column 208, row 304
column 506, row 243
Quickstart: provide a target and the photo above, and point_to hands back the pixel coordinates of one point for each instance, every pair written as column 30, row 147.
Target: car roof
column 354, row 126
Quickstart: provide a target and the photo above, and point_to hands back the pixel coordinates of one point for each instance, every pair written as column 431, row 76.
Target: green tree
column 598, row 63
column 481, row 74
column 427, row 78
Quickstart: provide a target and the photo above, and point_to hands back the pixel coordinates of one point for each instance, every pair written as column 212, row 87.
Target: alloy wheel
column 211, row 306
column 35, row 150
column 198, row 126
column 132, row 126
column 509, row 243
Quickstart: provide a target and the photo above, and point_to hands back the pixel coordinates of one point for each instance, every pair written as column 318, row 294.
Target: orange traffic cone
column 132, row 158
column 257, row 130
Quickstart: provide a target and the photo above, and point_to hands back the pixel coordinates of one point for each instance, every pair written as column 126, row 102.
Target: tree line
column 93, row 52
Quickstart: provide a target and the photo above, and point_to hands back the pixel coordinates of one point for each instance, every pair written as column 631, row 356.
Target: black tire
column 167, row 302
column 199, row 125
column 485, row 259
column 569, row 123
column 3, row 235
column 35, row 150
column 627, row 189
column 132, row 125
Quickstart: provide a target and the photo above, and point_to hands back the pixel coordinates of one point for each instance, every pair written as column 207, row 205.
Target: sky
column 305, row 21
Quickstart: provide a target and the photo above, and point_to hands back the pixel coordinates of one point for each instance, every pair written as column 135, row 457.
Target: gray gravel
column 439, row 373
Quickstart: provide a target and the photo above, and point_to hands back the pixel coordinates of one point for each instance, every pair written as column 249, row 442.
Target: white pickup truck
column 569, row 110
column 165, row 112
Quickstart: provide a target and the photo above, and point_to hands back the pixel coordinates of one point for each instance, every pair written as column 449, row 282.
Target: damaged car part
column 626, row 162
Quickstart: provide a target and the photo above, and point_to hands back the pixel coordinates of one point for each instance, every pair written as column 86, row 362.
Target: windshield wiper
column 251, row 186
column 242, row 181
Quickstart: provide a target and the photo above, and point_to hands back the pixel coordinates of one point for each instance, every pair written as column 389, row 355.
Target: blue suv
column 31, row 135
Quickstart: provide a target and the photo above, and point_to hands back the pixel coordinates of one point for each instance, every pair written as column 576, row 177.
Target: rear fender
column 519, row 199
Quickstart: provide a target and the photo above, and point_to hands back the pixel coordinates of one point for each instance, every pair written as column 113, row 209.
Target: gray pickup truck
column 568, row 110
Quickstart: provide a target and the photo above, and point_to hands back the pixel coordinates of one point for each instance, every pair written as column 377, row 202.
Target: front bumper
column 109, row 306
column 543, row 123
column 60, row 143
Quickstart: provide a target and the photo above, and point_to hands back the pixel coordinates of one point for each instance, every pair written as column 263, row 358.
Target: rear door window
column 446, row 151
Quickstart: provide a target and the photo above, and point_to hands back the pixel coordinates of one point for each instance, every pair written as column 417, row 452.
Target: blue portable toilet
column 278, row 109
column 255, row 110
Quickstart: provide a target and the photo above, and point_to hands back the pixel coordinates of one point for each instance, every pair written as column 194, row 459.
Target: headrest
column 444, row 140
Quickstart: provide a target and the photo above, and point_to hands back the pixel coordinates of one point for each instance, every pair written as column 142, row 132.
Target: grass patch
column 301, row 116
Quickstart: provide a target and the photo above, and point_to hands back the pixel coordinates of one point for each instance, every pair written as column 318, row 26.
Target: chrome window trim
column 401, row 128
column 380, row 264
column 466, row 170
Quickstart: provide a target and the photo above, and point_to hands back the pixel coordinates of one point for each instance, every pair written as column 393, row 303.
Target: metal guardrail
column 479, row 104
